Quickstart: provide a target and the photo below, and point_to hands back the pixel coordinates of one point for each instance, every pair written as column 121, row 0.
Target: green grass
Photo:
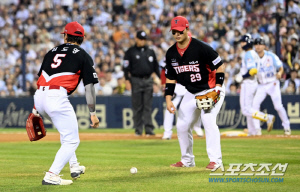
column 108, row 164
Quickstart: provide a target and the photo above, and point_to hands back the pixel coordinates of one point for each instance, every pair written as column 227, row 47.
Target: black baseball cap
column 141, row 34
column 259, row 41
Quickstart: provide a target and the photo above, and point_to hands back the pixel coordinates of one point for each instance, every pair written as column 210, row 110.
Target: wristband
column 93, row 113
column 169, row 90
column 219, row 78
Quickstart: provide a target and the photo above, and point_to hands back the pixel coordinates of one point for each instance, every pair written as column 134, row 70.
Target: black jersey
column 140, row 62
column 196, row 69
column 65, row 66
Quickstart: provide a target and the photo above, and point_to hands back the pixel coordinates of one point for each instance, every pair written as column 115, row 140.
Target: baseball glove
column 35, row 127
column 208, row 100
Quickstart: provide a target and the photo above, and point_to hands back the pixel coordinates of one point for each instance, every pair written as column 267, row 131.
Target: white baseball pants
column 272, row 89
column 55, row 105
column 169, row 118
column 248, row 89
column 179, row 91
column 187, row 117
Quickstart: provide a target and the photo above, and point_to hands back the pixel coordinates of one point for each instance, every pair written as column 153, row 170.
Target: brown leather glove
column 35, row 127
column 208, row 100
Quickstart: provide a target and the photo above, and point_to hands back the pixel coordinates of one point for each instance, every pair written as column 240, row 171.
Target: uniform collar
column 140, row 48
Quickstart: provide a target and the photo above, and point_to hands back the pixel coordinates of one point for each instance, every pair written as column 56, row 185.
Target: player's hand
column 278, row 75
column 170, row 106
column 95, row 121
column 35, row 112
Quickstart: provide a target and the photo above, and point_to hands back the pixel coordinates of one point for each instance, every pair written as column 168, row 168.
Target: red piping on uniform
column 211, row 77
column 69, row 82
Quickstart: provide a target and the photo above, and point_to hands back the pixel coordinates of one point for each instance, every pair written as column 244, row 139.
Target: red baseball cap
column 179, row 23
column 74, row 28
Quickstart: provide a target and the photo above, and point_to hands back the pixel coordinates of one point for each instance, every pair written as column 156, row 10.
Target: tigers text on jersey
column 249, row 61
column 196, row 69
column 65, row 65
column 267, row 67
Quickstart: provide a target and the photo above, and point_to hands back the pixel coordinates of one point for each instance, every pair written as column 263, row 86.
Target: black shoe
column 150, row 134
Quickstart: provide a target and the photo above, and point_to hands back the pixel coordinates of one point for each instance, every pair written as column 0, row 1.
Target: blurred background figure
column 140, row 66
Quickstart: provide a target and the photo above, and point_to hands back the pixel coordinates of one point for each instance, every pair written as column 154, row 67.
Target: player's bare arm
column 279, row 73
column 169, row 91
column 90, row 96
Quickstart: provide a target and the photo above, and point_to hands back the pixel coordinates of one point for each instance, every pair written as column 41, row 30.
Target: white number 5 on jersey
column 57, row 61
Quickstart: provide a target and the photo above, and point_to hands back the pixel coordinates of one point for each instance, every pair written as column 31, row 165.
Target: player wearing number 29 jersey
column 199, row 68
column 65, row 65
column 196, row 68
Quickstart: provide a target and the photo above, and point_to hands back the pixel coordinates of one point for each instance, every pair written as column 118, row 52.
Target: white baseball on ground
column 133, row 170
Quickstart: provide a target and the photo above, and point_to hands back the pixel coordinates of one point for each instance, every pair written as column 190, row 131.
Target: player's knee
column 182, row 127
column 75, row 143
column 245, row 112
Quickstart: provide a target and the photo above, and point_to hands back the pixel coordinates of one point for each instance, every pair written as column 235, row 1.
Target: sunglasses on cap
column 259, row 43
column 180, row 32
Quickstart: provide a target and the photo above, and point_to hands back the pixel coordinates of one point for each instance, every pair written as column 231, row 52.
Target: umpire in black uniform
column 139, row 65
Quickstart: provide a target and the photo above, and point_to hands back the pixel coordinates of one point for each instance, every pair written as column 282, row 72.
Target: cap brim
column 178, row 28
column 77, row 35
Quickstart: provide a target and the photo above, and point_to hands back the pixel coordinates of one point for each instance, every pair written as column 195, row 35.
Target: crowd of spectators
column 32, row 28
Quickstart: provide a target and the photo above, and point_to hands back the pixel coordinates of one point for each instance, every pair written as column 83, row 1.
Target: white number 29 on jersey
column 57, row 61
column 195, row 77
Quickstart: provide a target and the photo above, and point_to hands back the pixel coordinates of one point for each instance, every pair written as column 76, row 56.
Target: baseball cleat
column 287, row 132
column 178, row 164
column 213, row 166
column 52, row 179
column 166, row 137
column 199, row 132
column 76, row 170
column 258, row 132
column 270, row 122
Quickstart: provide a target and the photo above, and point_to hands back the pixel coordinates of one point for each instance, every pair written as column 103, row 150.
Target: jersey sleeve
column 41, row 69
column 126, row 65
column 169, row 70
column 88, row 73
column 249, row 61
column 213, row 58
column 276, row 60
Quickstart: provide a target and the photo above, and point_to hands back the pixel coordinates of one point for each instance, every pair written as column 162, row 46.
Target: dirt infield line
column 19, row 136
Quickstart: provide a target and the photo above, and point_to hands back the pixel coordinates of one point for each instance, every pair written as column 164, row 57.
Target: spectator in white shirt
column 156, row 8
column 101, row 18
column 23, row 13
column 293, row 7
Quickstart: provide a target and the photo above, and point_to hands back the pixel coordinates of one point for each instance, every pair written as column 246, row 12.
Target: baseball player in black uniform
column 139, row 65
column 199, row 68
column 62, row 69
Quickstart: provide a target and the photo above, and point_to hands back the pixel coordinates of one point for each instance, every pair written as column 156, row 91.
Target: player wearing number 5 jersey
column 268, row 84
column 62, row 69
column 199, row 68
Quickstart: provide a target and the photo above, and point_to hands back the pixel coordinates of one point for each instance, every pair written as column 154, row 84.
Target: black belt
column 142, row 76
